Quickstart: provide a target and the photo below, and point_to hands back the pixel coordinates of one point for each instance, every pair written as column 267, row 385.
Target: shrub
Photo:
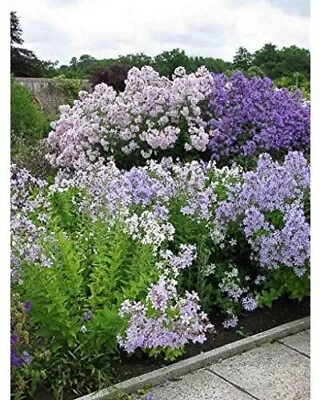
column 27, row 121
column 250, row 117
column 113, row 75
column 153, row 117
column 268, row 211
column 69, row 87
column 79, row 261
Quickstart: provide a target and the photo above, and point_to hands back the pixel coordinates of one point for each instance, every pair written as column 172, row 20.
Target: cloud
column 42, row 33
column 183, row 39
column 296, row 7
column 60, row 30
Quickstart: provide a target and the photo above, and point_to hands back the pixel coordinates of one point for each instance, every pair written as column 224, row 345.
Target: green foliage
column 164, row 63
column 168, row 61
column 95, row 268
column 189, row 230
column 283, row 281
column 27, row 121
column 294, row 82
column 169, row 353
column 255, row 71
column 288, row 67
column 276, row 63
column 69, row 87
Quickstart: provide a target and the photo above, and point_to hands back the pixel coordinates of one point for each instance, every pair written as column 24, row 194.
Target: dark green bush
column 113, row 75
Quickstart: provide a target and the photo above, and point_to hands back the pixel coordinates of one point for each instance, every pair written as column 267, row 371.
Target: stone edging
column 202, row 360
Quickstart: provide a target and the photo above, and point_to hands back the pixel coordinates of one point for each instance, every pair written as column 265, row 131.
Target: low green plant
column 27, row 121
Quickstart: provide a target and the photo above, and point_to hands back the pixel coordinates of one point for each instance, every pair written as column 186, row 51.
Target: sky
column 61, row 29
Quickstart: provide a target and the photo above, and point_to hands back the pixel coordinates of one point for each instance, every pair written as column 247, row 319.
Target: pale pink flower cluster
column 151, row 115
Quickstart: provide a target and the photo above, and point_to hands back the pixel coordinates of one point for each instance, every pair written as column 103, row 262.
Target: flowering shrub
column 250, row 117
column 79, row 260
column 165, row 321
column 152, row 117
column 188, row 117
column 268, row 209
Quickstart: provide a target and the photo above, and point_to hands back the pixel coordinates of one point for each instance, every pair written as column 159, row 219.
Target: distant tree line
column 288, row 66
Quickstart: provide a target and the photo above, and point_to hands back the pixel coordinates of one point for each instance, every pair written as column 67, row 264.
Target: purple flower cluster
column 16, row 360
column 250, row 116
column 164, row 320
column 270, row 205
column 27, row 199
column 140, row 197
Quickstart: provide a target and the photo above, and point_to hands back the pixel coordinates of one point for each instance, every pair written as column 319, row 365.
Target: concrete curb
column 202, row 360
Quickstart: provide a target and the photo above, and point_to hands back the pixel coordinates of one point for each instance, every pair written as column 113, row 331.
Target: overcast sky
column 61, row 29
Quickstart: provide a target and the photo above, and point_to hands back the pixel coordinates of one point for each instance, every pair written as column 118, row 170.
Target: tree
column 269, row 60
column 74, row 62
column 166, row 62
column 295, row 60
column 24, row 63
column 242, row 59
column 113, row 75
column 135, row 60
column 15, row 29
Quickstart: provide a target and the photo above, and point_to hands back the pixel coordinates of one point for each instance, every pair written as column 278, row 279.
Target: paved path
column 277, row 371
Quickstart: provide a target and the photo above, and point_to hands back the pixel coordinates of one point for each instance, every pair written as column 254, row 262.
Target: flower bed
column 136, row 260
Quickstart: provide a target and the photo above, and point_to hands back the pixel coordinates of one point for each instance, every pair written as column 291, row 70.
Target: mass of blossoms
column 152, row 221
column 270, row 204
column 199, row 115
column 250, row 117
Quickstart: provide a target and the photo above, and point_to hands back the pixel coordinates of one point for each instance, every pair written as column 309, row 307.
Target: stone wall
column 47, row 92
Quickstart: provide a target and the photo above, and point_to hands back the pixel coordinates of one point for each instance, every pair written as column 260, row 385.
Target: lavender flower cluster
column 165, row 319
column 141, row 197
column 250, row 117
column 28, row 217
column 269, row 203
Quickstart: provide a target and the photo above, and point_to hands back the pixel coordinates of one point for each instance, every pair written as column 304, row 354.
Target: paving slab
column 299, row 341
column 269, row 372
column 199, row 385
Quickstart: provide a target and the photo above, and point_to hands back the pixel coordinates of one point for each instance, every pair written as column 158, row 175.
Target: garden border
column 202, row 360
